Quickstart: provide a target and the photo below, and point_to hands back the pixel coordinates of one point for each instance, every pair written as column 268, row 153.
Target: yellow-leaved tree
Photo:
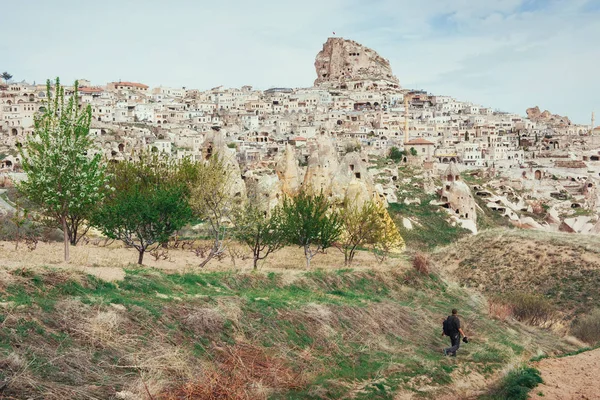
column 389, row 239
column 367, row 224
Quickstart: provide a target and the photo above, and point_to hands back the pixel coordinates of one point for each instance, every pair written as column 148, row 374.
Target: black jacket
column 453, row 325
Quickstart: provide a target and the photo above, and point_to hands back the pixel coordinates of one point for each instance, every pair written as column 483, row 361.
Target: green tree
column 146, row 205
column 413, row 151
column 6, row 76
column 258, row 230
column 63, row 177
column 309, row 221
column 362, row 226
column 396, row 154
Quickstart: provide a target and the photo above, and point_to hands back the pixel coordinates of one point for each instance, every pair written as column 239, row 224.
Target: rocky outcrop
column 323, row 163
column 535, row 114
column 347, row 64
column 215, row 144
column 353, row 180
column 581, row 224
column 289, row 172
column 337, row 178
column 457, row 196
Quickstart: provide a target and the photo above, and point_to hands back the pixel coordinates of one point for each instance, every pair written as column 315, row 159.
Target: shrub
column 352, row 147
column 587, row 328
column 147, row 206
column 499, row 310
column 396, row 154
column 530, row 308
column 516, row 385
column 14, row 228
column 421, row 263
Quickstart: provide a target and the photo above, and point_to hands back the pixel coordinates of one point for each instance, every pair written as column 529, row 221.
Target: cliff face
column 535, row 114
column 347, row 64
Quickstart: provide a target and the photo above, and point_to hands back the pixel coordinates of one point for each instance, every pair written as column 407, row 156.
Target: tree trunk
column 351, row 256
column 73, row 232
column 18, row 233
column 307, row 255
column 141, row 256
column 255, row 263
column 66, row 237
column 214, row 251
column 207, row 259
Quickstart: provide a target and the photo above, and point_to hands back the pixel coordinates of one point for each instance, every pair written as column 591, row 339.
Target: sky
column 504, row 54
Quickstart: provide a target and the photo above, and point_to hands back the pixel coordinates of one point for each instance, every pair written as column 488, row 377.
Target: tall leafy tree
column 309, row 221
column 6, row 76
column 146, row 204
column 63, row 177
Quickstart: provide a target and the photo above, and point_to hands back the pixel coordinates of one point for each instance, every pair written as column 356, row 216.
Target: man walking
column 452, row 329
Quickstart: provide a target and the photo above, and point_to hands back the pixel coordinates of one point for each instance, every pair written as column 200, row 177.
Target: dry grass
column 240, row 372
column 103, row 328
column 108, row 262
column 204, row 320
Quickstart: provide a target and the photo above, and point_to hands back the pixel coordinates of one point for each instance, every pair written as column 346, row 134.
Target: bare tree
column 211, row 201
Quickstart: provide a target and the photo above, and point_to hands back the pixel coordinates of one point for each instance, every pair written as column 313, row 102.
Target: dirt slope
column 563, row 267
column 574, row 377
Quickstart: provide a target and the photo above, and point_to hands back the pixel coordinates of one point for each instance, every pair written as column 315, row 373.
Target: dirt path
column 574, row 377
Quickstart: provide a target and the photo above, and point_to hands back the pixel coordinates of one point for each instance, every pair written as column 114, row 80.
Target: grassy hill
column 563, row 267
column 311, row 335
column 430, row 223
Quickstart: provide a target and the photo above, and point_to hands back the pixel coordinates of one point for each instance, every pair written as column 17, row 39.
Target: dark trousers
column 455, row 342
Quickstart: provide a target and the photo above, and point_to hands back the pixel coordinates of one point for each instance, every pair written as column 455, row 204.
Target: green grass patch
column 431, row 229
column 516, row 385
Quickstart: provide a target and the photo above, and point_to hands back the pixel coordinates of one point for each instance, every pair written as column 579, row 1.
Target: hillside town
column 331, row 135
